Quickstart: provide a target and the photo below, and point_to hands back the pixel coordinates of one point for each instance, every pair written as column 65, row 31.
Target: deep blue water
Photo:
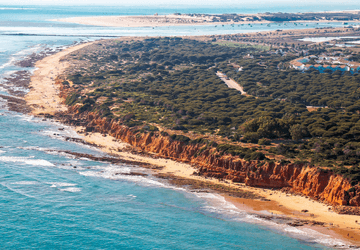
column 52, row 200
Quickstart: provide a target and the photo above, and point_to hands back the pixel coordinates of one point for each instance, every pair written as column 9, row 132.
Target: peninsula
column 204, row 19
column 159, row 101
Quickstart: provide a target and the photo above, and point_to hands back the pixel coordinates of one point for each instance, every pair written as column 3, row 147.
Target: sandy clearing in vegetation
column 231, row 83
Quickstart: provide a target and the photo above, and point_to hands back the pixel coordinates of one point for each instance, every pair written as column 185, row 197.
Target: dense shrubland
column 335, row 89
column 171, row 83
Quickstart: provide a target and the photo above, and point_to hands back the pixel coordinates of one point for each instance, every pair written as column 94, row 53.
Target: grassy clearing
column 241, row 45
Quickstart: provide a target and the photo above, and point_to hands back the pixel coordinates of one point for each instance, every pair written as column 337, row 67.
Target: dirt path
column 231, row 83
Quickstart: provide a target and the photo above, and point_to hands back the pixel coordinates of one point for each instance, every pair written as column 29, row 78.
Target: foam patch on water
column 301, row 233
column 66, row 134
column 65, row 186
column 71, row 189
column 21, row 55
column 56, row 133
column 25, row 160
column 36, row 148
column 61, row 184
column 2, row 89
column 67, row 130
column 10, row 62
column 16, row 191
column 55, row 151
column 25, row 183
column 2, row 151
column 217, row 204
column 115, row 172
column 315, row 236
column 51, row 151
column 10, row 8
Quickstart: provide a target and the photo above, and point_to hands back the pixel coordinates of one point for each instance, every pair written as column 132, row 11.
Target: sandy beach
column 44, row 93
column 280, row 203
column 173, row 20
column 43, row 98
column 143, row 21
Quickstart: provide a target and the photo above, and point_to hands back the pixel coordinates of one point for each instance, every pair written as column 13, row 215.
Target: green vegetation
column 335, row 89
column 172, row 82
column 241, row 45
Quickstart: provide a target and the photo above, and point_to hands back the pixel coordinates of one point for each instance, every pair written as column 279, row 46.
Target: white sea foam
column 30, row 50
column 115, row 172
column 62, row 134
column 25, row 183
column 2, row 89
column 315, row 236
column 71, row 189
column 10, row 62
column 16, row 191
column 26, row 160
column 8, row 74
column 218, row 204
column 9, row 8
column 37, row 148
column 61, row 184
column 20, row 55
column 121, row 172
column 324, row 39
column 2, row 151
column 51, row 151
column 305, row 234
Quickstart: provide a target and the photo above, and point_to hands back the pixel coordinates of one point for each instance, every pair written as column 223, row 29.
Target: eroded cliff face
column 310, row 181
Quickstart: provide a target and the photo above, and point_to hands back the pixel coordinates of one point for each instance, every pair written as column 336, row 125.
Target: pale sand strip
column 145, row 21
column 110, row 145
column 44, row 93
column 281, row 203
column 168, row 20
column 231, row 83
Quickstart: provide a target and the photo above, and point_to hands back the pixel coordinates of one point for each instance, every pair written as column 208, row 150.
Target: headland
column 177, row 158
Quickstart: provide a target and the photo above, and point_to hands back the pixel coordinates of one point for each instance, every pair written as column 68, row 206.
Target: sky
column 171, row 2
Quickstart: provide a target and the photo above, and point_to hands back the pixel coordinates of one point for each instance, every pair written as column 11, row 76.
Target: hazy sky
column 171, row 2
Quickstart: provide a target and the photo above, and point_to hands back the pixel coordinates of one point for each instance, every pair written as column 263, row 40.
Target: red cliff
column 308, row 180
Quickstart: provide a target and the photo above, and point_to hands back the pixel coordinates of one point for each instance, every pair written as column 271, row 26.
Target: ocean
column 51, row 199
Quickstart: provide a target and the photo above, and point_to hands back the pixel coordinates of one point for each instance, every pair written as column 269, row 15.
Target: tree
column 298, row 132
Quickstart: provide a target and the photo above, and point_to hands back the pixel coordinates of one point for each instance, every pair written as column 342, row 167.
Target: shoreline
column 137, row 21
column 44, row 93
column 281, row 203
column 275, row 202
column 184, row 19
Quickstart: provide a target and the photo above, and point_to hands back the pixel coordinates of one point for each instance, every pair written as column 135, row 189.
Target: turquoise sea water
column 51, row 200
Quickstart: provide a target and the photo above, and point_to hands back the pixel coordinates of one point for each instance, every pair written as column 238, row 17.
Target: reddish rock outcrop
column 307, row 180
